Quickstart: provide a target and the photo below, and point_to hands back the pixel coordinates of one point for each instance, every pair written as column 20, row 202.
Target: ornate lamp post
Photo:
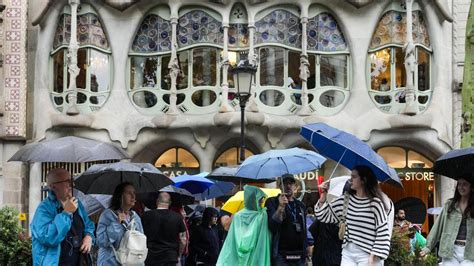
column 243, row 74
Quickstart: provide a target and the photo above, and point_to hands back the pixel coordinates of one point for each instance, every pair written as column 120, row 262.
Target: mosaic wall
column 279, row 26
column 392, row 29
column 14, row 68
column 154, row 35
column 238, row 35
column 199, row 27
column 89, row 31
column 324, row 34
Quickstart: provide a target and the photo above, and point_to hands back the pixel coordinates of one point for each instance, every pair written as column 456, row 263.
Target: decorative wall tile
column 153, row 35
column 199, row 27
column 14, row 45
column 324, row 34
column 280, row 26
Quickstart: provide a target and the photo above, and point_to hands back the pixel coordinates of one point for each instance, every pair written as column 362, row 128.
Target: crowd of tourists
column 353, row 229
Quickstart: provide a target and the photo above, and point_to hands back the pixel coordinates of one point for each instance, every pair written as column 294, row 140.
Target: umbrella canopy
column 227, row 173
column 178, row 195
column 193, row 183
column 275, row 163
column 69, row 149
column 236, row 202
column 93, row 203
column 456, row 164
column 347, row 150
column 415, row 209
column 103, row 178
column 218, row 189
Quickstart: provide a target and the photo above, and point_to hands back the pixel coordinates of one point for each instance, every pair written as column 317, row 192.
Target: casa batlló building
column 153, row 77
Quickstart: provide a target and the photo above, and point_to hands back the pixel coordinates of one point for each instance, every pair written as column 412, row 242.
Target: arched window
column 387, row 62
column 200, row 41
column 177, row 161
column 328, row 84
column 400, row 158
column 231, row 157
column 93, row 57
column 278, row 42
column 149, row 58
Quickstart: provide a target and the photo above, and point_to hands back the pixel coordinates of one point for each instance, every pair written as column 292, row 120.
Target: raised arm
column 50, row 227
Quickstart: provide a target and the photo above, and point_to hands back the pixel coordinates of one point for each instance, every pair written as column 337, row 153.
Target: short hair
column 162, row 199
column 55, row 175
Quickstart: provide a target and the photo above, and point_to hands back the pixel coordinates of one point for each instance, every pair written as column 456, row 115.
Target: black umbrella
column 415, row 209
column 227, row 173
column 456, row 164
column 68, row 149
column 103, row 178
column 179, row 197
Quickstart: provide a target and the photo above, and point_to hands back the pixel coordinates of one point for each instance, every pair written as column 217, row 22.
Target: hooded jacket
column 248, row 240
column 49, row 228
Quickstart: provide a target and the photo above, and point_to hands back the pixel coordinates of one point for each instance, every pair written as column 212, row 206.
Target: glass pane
column 81, row 98
column 311, row 83
column 143, row 72
column 82, row 63
column 145, row 99
column 99, row 69
column 234, row 58
column 179, row 98
column 182, row 79
column 167, row 158
column 331, row 98
column 204, row 66
column 58, row 100
column 334, row 70
column 400, row 73
column 416, row 160
column 294, row 69
column 272, row 97
column 423, row 99
column 383, row 99
column 271, row 67
column 394, row 156
column 423, row 70
column 203, row 97
column 165, row 77
column 380, row 70
column 230, row 157
column 186, row 159
column 58, row 71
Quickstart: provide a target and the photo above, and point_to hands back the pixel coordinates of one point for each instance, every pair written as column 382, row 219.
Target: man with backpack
column 165, row 232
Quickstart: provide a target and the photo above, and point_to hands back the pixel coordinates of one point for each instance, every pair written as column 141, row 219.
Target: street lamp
column 243, row 75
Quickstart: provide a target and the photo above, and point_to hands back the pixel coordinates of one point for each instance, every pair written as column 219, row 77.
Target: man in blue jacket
column 62, row 233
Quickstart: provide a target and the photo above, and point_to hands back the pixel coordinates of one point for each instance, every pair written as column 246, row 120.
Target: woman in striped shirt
column 367, row 237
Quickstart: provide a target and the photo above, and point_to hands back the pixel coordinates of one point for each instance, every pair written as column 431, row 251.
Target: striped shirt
column 366, row 223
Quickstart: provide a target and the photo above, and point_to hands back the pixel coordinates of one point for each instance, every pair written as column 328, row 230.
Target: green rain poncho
column 248, row 240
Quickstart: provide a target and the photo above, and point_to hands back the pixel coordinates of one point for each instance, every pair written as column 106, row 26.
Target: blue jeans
column 281, row 261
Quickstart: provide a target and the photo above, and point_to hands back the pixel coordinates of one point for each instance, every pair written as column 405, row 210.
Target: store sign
column 176, row 171
column 309, row 176
column 417, row 176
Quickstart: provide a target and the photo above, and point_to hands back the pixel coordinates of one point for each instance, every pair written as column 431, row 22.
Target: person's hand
column 122, row 217
column 86, row 244
column 282, row 200
column 372, row 260
column 423, row 253
column 70, row 205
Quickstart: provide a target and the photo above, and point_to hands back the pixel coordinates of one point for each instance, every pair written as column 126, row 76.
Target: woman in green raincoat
column 248, row 240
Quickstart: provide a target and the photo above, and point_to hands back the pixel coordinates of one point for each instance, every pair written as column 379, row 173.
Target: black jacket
column 327, row 245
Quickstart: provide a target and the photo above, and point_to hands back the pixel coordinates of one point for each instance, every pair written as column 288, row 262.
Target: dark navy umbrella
column 347, row 150
column 218, row 189
column 456, row 164
column 193, row 183
column 178, row 196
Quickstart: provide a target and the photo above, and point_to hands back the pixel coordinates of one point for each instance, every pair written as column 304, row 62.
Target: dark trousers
column 280, row 260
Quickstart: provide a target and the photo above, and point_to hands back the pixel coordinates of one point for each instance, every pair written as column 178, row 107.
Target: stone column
column 411, row 106
column 34, row 197
column 225, row 106
column 73, row 68
column 174, row 68
column 304, row 70
column 253, row 60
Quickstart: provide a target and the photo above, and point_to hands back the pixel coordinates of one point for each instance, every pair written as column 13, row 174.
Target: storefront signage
column 309, row 176
column 417, row 175
column 176, row 171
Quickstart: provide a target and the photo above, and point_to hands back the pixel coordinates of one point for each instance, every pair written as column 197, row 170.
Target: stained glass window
column 324, row 34
column 199, row 27
column 392, row 30
column 153, row 35
column 89, row 31
column 238, row 35
column 279, row 26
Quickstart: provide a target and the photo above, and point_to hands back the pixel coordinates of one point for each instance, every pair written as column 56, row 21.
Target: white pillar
column 304, row 70
column 73, row 68
column 253, row 59
column 411, row 106
column 225, row 106
column 174, row 69
column 34, row 195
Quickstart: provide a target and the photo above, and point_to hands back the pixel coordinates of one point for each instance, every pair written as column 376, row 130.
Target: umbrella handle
column 334, row 170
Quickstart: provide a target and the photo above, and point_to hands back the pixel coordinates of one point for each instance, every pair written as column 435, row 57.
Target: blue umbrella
column 347, row 150
column 275, row 163
column 219, row 188
column 193, row 183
